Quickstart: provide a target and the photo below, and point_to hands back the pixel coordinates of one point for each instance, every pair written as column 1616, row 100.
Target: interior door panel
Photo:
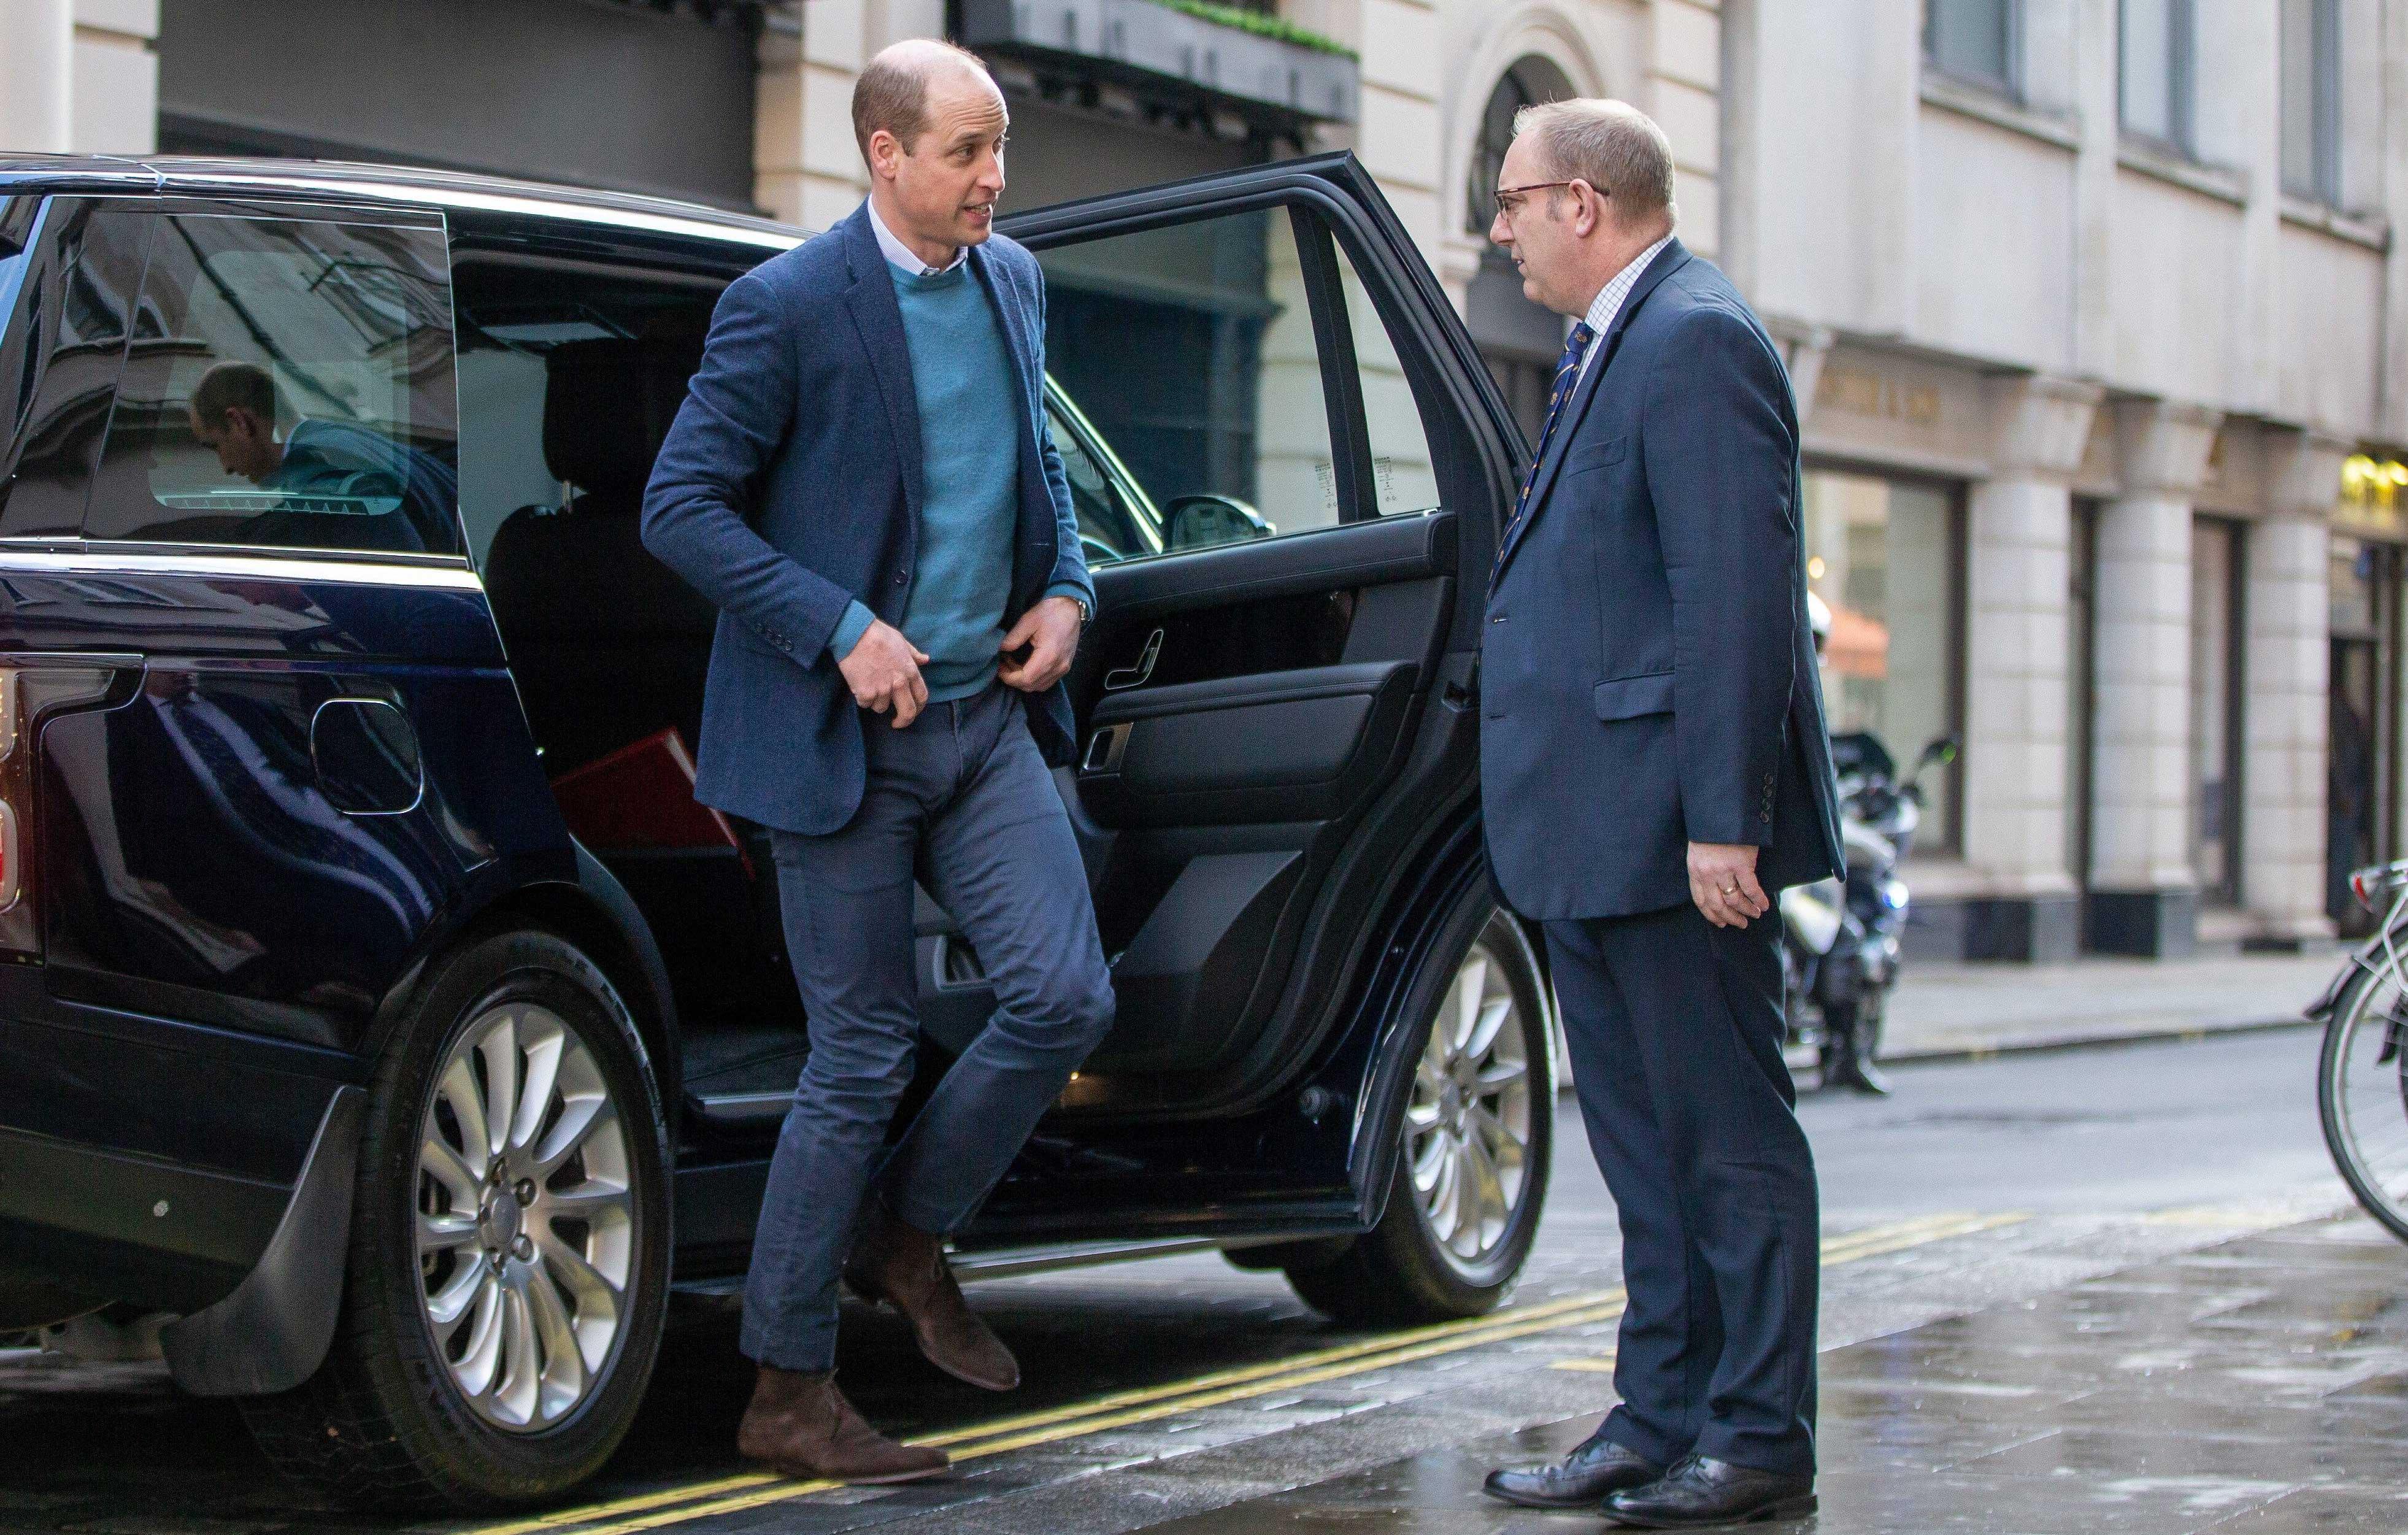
column 1284, row 683
column 1274, row 746
column 1367, row 553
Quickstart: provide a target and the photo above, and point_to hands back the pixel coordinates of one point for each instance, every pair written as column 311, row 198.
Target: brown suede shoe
column 896, row 1262
column 803, row 1428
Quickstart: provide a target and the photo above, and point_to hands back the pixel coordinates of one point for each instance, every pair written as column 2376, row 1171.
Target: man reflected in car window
column 324, row 466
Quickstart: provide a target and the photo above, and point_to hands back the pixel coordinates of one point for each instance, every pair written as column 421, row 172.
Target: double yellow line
column 1122, row 1408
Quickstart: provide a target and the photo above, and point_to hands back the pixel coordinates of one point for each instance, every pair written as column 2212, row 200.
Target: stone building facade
column 2093, row 307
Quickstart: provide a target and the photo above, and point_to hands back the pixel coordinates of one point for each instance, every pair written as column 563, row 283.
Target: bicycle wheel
column 2362, row 1093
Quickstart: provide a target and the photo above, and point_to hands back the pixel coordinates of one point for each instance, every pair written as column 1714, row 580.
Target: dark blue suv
column 379, row 1007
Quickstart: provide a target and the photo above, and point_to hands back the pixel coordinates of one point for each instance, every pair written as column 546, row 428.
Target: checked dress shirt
column 1569, row 370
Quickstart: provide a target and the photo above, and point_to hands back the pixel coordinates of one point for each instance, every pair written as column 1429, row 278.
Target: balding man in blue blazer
column 862, row 479
column 1654, row 769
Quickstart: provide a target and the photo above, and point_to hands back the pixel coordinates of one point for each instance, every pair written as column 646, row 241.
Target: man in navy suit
column 1653, row 767
column 862, row 481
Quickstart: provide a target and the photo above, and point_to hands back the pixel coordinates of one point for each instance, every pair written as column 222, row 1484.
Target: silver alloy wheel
column 526, row 1220
column 1468, row 1125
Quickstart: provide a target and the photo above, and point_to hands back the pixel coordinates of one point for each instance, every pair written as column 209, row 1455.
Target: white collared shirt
column 900, row 255
column 1608, row 300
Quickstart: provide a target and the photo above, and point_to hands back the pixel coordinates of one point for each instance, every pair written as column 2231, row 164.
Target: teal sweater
column 970, row 463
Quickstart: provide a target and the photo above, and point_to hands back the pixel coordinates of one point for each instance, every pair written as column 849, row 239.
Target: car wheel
column 509, row 1264
column 1478, row 1137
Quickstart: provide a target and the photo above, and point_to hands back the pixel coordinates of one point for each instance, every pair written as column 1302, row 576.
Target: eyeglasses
column 1507, row 201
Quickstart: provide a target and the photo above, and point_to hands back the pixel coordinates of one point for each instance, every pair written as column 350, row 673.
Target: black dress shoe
column 1700, row 1491
column 1583, row 1479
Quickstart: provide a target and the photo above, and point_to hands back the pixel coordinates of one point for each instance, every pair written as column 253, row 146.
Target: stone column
column 2285, row 700
column 805, row 167
column 36, row 75
column 1399, row 134
column 2143, row 897
column 2018, row 541
column 115, row 104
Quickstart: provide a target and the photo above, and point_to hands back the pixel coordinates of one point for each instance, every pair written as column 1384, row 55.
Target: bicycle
column 2362, row 1074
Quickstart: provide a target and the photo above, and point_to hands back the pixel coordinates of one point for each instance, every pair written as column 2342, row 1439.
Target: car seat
column 608, row 645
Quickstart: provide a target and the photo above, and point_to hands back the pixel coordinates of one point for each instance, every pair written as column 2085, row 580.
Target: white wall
column 1993, row 241
column 79, row 76
column 1899, row 208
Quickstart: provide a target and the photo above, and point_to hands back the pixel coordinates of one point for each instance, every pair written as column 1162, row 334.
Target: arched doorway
column 1519, row 339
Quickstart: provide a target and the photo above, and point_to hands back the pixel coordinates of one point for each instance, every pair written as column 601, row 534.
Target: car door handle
column 1128, row 676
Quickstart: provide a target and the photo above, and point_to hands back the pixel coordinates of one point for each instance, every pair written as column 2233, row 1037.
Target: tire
column 1428, row 1259
column 390, row 1419
column 1853, row 1027
column 2362, row 1101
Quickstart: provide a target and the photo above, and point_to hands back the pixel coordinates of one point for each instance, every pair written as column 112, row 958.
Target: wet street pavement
column 2093, row 1291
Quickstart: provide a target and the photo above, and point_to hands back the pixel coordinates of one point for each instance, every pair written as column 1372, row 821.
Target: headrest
column 606, row 406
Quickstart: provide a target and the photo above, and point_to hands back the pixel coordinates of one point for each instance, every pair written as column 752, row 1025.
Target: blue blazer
column 789, row 483
column 1647, row 671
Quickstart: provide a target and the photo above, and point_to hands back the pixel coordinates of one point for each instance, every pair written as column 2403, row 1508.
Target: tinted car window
column 75, row 286
column 1115, row 522
column 568, row 380
column 288, row 384
column 1223, row 421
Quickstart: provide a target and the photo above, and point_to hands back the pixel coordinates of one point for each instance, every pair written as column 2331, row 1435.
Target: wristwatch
column 1085, row 612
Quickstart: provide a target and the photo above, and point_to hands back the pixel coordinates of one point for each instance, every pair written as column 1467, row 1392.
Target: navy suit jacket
column 1647, row 671
column 789, row 483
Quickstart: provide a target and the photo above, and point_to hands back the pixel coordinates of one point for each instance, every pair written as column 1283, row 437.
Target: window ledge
column 2371, row 230
column 2167, row 164
column 1953, row 94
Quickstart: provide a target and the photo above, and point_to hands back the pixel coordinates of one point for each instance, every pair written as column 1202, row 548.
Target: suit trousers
column 962, row 799
column 1675, row 1028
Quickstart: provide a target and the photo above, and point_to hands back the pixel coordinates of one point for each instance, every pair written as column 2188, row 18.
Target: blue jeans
column 961, row 798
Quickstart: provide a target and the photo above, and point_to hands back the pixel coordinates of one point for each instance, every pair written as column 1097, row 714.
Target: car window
column 568, row 380
column 288, row 384
column 1402, row 478
column 1115, row 521
column 16, row 254
column 75, row 291
column 1222, row 421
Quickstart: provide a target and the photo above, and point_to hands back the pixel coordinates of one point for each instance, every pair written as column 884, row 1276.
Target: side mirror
column 1939, row 751
column 1198, row 521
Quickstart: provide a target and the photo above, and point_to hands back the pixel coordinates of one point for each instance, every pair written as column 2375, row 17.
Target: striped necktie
column 1567, row 375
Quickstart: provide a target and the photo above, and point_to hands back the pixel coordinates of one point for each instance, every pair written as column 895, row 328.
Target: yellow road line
column 735, row 1494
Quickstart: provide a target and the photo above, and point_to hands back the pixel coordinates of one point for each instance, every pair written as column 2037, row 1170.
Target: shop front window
column 2360, row 820
column 1884, row 554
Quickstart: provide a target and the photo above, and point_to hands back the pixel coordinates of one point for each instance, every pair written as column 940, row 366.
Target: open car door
column 1289, row 465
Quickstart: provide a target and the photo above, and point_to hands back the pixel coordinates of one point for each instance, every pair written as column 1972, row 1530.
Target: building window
column 1531, row 81
column 2080, row 690
column 1885, row 555
column 2216, row 627
column 1973, row 40
column 2154, row 81
column 1520, row 340
column 2312, row 99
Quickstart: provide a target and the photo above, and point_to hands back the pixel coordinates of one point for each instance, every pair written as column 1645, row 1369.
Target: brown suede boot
column 905, row 1267
column 803, row 1428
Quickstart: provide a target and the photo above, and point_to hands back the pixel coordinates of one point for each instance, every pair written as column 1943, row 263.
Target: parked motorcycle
column 1841, row 936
